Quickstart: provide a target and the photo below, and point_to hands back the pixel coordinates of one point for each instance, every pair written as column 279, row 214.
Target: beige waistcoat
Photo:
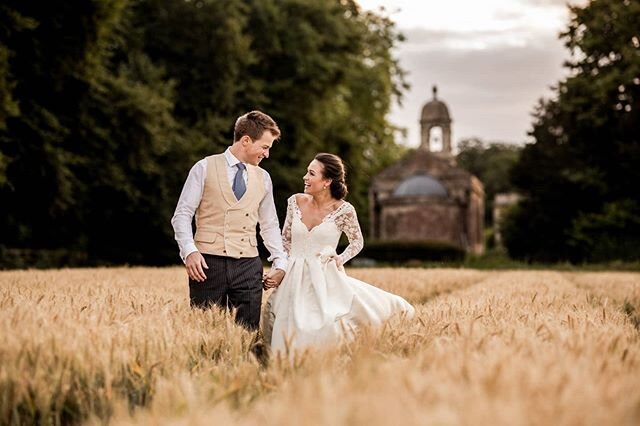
column 224, row 225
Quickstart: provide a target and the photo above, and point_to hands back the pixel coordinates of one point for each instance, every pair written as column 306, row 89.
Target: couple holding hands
column 314, row 302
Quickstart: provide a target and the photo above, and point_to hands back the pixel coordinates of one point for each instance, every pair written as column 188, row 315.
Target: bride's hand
column 336, row 259
column 272, row 279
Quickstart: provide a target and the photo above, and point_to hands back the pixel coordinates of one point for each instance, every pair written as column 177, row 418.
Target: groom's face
column 256, row 150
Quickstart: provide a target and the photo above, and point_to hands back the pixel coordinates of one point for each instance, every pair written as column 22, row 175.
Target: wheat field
column 121, row 346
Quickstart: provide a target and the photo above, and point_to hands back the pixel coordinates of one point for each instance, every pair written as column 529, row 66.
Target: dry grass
column 122, row 346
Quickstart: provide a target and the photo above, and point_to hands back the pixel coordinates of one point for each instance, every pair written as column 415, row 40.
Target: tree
column 104, row 106
column 94, row 144
column 54, row 56
column 491, row 163
column 579, row 178
column 13, row 23
column 327, row 74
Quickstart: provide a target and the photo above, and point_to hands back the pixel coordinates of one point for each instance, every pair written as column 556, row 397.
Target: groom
column 229, row 195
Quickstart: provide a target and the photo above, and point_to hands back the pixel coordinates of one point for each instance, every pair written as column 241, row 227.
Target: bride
column 317, row 302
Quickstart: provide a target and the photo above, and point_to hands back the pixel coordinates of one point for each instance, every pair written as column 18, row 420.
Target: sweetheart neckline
column 295, row 200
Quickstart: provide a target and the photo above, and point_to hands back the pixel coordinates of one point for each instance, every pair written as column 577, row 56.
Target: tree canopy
column 579, row 178
column 105, row 104
column 491, row 162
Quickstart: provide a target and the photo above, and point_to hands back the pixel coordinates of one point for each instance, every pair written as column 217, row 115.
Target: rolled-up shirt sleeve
column 185, row 210
column 270, row 227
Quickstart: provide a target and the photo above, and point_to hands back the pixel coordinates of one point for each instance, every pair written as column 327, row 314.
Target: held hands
column 195, row 265
column 272, row 279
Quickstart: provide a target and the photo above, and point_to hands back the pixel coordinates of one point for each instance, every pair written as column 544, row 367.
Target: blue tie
column 239, row 187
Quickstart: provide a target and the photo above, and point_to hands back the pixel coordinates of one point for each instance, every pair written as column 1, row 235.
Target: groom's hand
column 273, row 279
column 196, row 265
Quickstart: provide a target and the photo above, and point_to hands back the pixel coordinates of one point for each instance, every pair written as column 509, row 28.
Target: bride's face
column 314, row 182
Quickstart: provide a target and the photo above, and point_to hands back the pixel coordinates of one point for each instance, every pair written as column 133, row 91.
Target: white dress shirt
column 192, row 195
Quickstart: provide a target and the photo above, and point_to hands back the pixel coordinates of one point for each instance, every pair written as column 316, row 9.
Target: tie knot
column 241, row 166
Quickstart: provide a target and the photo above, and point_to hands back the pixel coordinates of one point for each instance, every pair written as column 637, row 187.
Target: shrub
column 404, row 251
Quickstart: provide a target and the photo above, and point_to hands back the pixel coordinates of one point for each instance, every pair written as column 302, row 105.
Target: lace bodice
column 299, row 241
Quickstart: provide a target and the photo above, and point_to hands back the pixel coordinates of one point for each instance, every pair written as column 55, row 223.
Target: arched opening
column 435, row 139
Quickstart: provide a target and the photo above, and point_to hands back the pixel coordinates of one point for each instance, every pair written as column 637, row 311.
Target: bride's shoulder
column 298, row 198
column 347, row 205
column 347, row 208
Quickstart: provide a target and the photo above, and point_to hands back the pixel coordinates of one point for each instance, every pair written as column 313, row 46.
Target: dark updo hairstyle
column 334, row 170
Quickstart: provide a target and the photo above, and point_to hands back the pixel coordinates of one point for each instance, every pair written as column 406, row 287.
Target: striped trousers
column 231, row 283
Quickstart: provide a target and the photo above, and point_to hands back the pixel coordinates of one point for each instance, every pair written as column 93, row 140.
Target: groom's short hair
column 254, row 124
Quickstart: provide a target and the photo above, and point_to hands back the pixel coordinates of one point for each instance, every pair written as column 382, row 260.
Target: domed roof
column 435, row 110
column 420, row 185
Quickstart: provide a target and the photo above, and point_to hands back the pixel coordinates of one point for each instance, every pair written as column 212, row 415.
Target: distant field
column 487, row 347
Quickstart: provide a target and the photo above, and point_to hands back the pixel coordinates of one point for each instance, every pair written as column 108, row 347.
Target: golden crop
column 122, row 346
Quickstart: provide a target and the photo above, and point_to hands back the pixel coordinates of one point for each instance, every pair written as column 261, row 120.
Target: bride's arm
column 348, row 223
column 267, row 279
column 286, row 228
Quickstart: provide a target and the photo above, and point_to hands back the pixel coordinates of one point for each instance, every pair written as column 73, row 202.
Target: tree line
column 105, row 105
column 580, row 178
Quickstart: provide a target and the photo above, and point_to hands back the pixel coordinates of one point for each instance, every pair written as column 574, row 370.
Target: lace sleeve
column 347, row 222
column 286, row 228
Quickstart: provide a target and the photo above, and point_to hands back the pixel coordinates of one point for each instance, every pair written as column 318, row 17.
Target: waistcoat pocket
column 206, row 236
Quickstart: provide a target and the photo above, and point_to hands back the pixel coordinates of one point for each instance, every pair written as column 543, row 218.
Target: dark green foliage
column 492, row 164
column 41, row 258
column 613, row 233
column 55, row 60
column 325, row 72
column 580, row 176
column 105, row 105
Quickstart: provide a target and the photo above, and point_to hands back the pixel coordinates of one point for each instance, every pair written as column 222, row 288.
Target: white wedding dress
column 317, row 303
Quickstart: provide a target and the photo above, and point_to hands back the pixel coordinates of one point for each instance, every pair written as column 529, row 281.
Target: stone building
column 425, row 196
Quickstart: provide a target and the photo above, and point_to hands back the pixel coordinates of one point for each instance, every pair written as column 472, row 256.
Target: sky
column 492, row 60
